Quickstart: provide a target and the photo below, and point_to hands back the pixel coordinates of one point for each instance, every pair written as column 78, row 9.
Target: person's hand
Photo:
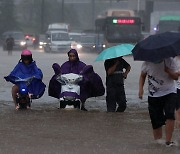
column 166, row 69
column 141, row 94
column 178, row 74
column 125, row 75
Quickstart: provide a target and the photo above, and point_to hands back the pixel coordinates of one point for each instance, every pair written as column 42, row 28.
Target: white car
column 76, row 40
column 57, row 41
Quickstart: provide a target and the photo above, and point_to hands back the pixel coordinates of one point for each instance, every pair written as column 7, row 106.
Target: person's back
column 9, row 44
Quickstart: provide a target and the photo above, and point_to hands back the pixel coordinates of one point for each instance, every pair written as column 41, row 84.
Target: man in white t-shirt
column 161, row 97
column 178, row 94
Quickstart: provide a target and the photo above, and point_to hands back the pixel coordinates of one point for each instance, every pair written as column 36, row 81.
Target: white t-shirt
column 177, row 59
column 159, row 83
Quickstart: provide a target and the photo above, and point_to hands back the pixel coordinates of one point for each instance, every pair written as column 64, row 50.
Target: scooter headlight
column 23, row 91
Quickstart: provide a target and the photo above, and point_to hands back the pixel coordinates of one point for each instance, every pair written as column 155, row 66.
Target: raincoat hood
column 72, row 67
column 75, row 52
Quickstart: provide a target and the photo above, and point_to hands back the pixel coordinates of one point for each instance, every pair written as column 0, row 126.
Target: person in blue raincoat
column 25, row 68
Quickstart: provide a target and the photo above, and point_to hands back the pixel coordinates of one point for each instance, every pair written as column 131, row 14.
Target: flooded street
column 45, row 129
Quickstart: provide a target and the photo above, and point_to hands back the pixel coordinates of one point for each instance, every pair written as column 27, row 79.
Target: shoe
column 170, row 144
column 160, row 141
column 121, row 109
column 83, row 108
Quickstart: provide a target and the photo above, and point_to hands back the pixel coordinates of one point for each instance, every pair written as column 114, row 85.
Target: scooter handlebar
column 28, row 80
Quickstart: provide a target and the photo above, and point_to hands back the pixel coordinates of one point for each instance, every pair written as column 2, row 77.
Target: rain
column 49, row 29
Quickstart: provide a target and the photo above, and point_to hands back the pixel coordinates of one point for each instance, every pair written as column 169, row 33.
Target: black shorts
column 161, row 108
column 178, row 99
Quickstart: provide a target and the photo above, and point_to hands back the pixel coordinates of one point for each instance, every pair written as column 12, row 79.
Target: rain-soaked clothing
column 115, row 86
column 36, row 87
column 91, row 86
column 160, row 106
column 162, row 91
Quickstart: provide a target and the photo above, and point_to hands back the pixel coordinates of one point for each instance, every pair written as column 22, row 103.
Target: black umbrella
column 157, row 47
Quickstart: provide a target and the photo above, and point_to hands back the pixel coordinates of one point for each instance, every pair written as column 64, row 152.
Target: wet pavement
column 45, row 129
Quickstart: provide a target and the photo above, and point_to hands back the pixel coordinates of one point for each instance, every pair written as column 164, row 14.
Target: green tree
column 37, row 14
column 7, row 16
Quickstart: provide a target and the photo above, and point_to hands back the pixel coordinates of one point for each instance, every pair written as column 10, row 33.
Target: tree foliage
column 37, row 14
column 7, row 16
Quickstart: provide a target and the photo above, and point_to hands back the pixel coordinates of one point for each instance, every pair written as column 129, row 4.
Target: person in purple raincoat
column 91, row 86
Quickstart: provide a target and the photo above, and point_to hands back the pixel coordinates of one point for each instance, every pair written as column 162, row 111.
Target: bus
column 120, row 27
column 169, row 23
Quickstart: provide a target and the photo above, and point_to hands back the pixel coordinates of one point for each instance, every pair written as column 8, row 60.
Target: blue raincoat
column 37, row 87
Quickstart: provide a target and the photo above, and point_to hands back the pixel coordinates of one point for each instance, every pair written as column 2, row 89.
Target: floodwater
column 45, row 129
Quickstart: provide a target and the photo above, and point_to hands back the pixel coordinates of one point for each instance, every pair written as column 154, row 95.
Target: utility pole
column 110, row 3
column 138, row 6
column 93, row 13
column 62, row 11
column 42, row 15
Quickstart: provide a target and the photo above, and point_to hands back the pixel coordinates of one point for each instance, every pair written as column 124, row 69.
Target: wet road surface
column 47, row 130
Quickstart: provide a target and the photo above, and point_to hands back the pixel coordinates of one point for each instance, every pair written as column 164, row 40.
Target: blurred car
column 30, row 39
column 88, row 42
column 99, row 43
column 42, row 41
column 76, row 40
column 19, row 40
column 57, row 41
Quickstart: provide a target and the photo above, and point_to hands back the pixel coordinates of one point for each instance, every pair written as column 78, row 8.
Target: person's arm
column 141, row 84
column 37, row 72
column 112, row 69
column 173, row 75
column 127, row 71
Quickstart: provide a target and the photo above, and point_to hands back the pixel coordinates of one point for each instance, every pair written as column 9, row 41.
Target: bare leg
column 169, row 129
column 157, row 133
column 83, row 107
column 178, row 118
column 14, row 92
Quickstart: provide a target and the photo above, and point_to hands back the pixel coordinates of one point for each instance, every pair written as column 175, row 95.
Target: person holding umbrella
column 115, row 76
column 158, row 51
column 162, row 96
column 115, row 65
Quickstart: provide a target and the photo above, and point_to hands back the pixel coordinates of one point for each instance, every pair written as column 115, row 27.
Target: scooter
column 70, row 90
column 23, row 97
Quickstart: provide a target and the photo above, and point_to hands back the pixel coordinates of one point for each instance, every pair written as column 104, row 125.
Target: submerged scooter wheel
column 23, row 102
column 77, row 104
column 62, row 104
column 22, row 106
